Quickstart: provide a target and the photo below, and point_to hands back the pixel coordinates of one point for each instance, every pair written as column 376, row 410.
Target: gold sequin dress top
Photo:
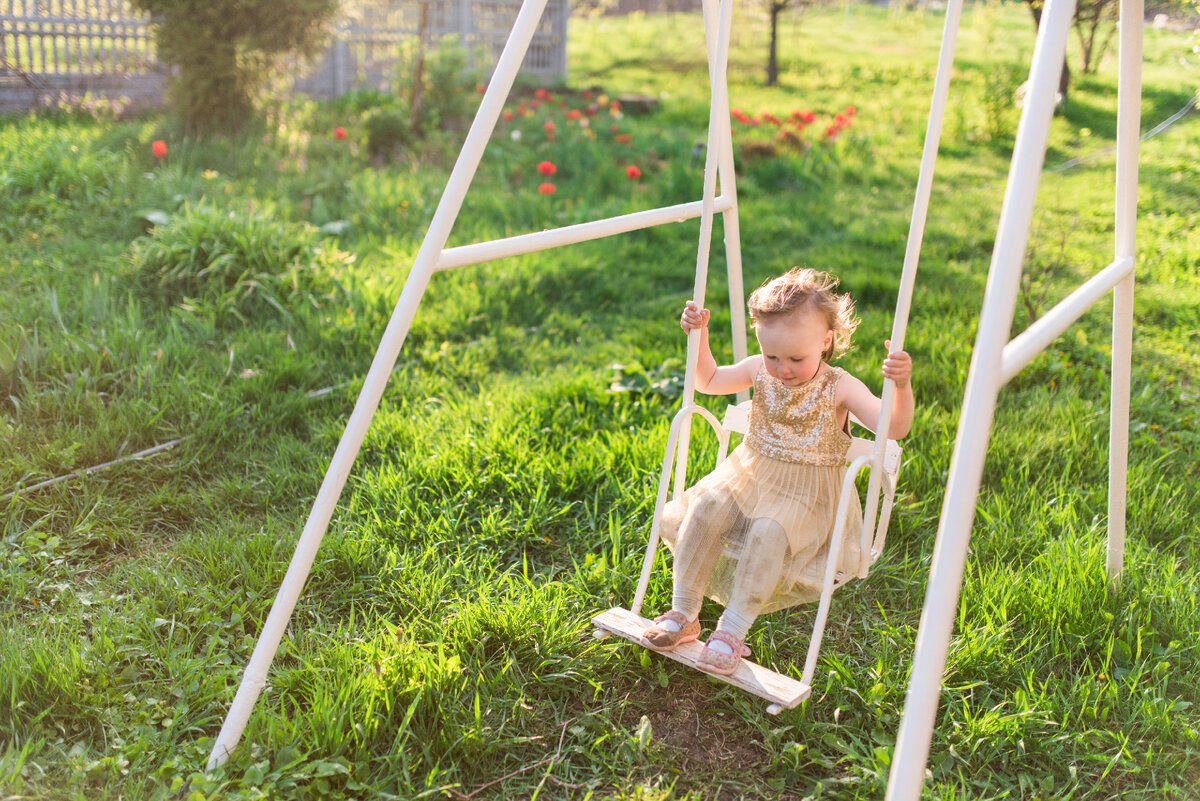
column 757, row 529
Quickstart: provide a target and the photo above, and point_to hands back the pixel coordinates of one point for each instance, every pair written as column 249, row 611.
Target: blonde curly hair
column 805, row 288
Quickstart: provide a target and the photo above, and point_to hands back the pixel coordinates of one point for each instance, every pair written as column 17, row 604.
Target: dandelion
column 547, row 189
column 547, row 168
column 633, row 172
column 339, row 133
column 159, row 148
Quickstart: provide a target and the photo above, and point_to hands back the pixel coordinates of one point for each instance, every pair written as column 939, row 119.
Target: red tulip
column 549, row 126
column 159, row 148
column 623, row 138
column 808, row 116
column 508, row 115
column 851, row 111
column 541, row 94
column 547, row 168
column 339, row 133
column 574, row 114
column 547, row 189
column 633, row 172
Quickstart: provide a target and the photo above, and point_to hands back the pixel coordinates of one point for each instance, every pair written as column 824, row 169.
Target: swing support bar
column 522, row 244
column 433, row 256
column 996, row 359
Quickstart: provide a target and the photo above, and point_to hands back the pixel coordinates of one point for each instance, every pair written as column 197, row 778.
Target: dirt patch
column 715, row 752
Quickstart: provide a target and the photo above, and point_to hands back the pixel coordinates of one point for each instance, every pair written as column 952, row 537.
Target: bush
column 444, row 92
column 226, row 50
column 388, row 132
column 240, row 265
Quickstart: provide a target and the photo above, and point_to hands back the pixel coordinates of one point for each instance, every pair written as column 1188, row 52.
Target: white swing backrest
column 737, row 420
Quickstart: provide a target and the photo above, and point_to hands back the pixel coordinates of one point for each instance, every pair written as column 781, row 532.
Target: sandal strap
column 675, row 616
column 738, row 646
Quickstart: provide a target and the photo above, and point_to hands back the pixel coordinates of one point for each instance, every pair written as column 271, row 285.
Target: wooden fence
column 104, row 47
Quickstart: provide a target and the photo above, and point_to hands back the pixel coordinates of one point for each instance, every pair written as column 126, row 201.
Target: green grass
column 503, row 492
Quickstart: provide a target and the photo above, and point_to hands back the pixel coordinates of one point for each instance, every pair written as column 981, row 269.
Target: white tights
column 701, row 542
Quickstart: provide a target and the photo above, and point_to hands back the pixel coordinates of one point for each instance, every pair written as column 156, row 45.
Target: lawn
column 232, row 293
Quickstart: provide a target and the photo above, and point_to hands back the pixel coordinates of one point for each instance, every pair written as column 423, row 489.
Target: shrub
column 388, row 131
column 225, row 50
column 238, row 264
column 439, row 85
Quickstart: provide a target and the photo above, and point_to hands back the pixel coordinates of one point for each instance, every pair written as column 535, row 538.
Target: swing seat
column 783, row 692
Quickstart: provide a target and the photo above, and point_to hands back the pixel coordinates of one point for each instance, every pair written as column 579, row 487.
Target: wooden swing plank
column 782, row 690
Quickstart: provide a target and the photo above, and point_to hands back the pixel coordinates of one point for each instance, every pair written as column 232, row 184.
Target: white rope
column 89, row 470
column 1155, row 131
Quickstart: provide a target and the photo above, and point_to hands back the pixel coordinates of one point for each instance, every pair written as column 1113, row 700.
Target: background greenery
column 233, row 293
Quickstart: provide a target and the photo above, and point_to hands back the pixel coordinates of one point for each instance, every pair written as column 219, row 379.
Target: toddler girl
column 754, row 533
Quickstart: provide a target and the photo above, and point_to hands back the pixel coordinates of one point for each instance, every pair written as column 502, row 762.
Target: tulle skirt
column 762, row 527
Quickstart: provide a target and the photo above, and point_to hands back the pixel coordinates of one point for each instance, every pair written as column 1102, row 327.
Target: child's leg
column 756, row 578
column 701, row 539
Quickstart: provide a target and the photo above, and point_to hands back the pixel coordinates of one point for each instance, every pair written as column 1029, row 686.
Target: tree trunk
column 1064, row 79
column 772, row 61
column 418, row 70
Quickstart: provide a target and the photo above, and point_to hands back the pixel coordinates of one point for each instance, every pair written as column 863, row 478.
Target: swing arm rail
column 683, row 415
column 465, row 255
column 835, row 550
column 1024, row 347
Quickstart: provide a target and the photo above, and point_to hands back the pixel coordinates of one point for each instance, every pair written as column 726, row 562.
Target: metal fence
column 105, row 47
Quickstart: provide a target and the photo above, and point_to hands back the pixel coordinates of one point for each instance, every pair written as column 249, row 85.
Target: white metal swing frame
column 996, row 358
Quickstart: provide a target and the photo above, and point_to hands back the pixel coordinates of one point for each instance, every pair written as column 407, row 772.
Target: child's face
column 792, row 346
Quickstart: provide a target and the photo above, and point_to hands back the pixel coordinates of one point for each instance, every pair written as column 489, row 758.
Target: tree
column 774, row 9
column 224, row 51
column 1095, row 23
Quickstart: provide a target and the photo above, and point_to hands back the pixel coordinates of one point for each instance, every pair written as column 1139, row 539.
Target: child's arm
column 711, row 379
column 853, row 395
